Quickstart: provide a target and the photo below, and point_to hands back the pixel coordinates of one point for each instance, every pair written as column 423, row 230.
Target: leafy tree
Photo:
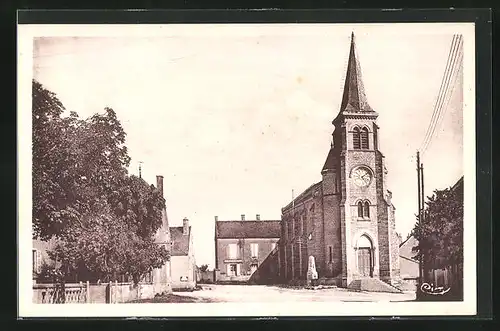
column 204, row 267
column 139, row 205
column 104, row 219
column 76, row 163
column 107, row 248
column 440, row 235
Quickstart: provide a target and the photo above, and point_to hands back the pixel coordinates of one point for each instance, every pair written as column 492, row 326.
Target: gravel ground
column 262, row 293
column 174, row 298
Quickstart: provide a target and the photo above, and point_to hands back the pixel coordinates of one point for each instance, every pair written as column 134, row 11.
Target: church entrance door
column 364, row 262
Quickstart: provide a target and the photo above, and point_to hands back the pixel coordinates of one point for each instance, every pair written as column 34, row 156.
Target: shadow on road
column 173, row 298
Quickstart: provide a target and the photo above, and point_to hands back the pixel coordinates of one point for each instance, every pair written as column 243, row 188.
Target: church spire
column 354, row 98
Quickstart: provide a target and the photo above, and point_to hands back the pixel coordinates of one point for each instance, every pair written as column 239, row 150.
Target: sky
column 235, row 118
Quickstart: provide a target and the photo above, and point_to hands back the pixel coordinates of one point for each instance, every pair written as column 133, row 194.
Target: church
column 347, row 220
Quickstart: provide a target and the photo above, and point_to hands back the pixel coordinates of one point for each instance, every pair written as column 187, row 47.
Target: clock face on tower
column 361, row 177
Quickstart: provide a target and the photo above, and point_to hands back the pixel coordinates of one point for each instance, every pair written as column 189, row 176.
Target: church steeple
column 354, row 99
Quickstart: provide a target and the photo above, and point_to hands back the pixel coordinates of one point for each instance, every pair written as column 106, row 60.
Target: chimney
column 216, row 218
column 257, row 217
column 185, row 226
column 159, row 184
column 242, row 217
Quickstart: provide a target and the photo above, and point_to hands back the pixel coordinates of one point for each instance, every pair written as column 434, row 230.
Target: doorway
column 365, row 257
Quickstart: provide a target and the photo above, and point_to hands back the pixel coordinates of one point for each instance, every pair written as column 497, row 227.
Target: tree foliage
column 204, row 267
column 440, row 235
column 103, row 218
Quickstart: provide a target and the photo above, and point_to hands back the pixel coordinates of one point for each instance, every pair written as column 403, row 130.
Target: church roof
column 331, row 160
column 354, row 100
column 307, row 192
column 248, row 229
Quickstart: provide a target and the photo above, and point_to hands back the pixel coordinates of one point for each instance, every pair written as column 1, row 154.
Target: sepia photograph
column 247, row 169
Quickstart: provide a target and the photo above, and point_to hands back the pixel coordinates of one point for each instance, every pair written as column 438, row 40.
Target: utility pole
column 422, row 191
column 419, row 196
column 422, row 214
column 140, row 168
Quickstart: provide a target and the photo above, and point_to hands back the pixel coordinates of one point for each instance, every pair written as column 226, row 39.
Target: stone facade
column 346, row 221
column 182, row 258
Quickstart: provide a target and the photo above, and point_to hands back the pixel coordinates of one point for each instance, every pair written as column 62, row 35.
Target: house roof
column 248, row 229
column 405, row 248
column 180, row 242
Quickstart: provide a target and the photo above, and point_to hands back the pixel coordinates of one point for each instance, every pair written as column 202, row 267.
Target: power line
column 442, row 109
column 450, row 95
column 440, row 93
column 444, row 89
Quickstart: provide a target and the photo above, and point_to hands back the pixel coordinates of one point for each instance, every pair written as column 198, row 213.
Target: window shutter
column 228, row 269
column 356, row 139
column 33, row 257
column 366, row 210
column 38, row 261
column 364, row 138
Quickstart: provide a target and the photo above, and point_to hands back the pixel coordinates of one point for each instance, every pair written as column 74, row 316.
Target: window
column 360, row 209
column 330, row 254
column 356, row 138
column 232, row 251
column 301, row 225
column 364, row 138
column 232, row 270
column 363, row 209
column 254, row 250
column 253, row 268
column 366, row 209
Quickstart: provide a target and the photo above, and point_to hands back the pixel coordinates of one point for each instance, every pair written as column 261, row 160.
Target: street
column 263, row 293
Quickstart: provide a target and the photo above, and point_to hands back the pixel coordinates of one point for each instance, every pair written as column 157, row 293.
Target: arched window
column 364, row 138
column 363, row 209
column 360, row 209
column 356, row 138
column 366, row 209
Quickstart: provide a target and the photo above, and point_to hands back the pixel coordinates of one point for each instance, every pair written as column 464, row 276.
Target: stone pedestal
column 312, row 274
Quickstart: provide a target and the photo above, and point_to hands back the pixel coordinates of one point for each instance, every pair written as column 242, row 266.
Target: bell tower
column 359, row 216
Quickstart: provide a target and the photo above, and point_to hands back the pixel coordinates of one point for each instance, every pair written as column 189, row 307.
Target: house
column 40, row 257
column 162, row 277
column 346, row 221
column 182, row 257
column 241, row 247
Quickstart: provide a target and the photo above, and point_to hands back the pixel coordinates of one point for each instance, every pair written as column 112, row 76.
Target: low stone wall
column 55, row 293
column 125, row 292
column 98, row 293
column 113, row 292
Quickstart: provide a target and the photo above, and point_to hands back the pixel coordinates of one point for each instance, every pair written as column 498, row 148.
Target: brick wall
column 332, row 226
